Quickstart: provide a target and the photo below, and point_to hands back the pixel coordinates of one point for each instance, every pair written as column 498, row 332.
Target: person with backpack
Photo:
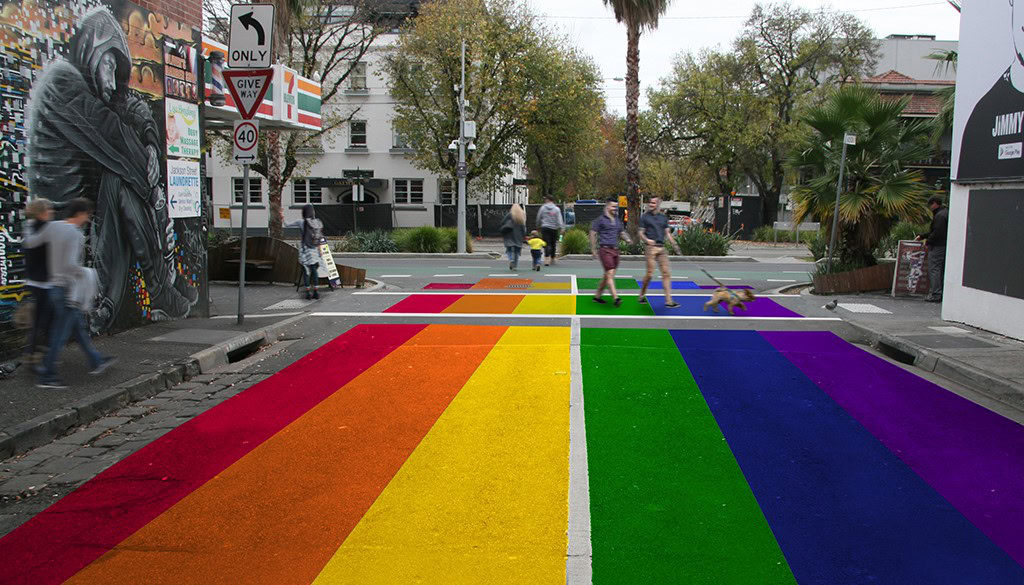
column 309, row 249
column 38, row 212
column 551, row 224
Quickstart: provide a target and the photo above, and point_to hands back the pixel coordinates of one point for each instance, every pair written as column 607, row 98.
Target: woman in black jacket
column 38, row 212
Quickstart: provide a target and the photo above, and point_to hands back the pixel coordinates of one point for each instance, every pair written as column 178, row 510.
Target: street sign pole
column 461, row 223
column 848, row 139
column 241, row 256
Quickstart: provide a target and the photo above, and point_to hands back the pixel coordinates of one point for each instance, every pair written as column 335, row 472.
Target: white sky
column 689, row 26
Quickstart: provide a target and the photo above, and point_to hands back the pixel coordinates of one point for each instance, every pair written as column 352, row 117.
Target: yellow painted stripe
column 550, row 286
column 547, row 305
column 484, row 497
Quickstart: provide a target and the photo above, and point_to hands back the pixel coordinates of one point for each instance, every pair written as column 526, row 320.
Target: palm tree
column 637, row 15
column 878, row 187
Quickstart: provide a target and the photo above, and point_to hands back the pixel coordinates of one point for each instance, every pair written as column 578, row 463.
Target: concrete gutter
column 47, row 427
column 386, row 255
column 642, row 258
column 995, row 387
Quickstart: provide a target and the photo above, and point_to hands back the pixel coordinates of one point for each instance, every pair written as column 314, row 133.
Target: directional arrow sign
column 248, row 87
column 251, row 36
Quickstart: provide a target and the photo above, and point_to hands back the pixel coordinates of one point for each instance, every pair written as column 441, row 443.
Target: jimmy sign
column 988, row 141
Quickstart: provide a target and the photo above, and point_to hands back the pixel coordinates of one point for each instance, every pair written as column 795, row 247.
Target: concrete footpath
column 150, row 359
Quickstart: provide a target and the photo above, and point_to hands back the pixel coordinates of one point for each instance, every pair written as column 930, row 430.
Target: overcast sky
column 689, row 26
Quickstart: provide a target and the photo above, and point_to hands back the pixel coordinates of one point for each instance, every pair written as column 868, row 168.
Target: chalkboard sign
column 911, row 274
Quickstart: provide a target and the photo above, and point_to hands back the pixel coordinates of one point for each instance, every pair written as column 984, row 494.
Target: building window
column 408, row 190
column 357, row 134
column 357, row 77
column 446, row 191
column 306, row 191
column 399, row 141
column 255, row 190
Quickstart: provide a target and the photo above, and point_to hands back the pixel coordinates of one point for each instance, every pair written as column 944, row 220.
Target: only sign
column 246, row 136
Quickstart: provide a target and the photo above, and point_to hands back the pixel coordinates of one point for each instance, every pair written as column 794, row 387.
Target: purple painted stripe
column 973, row 457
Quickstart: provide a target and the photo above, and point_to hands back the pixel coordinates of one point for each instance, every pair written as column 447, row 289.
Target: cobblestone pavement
column 31, row 482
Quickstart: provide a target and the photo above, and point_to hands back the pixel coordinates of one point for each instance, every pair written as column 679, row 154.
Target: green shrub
column 575, row 241
column 425, row 239
column 374, row 241
column 451, row 240
column 219, row 236
column 700, row 242
column 900, row 231
column 818, row 244
column 631, row 249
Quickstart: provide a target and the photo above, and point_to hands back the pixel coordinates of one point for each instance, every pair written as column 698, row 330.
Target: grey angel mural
column 92, row 134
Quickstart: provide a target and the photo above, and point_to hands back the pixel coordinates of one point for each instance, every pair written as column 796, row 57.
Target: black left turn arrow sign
column 248, row 22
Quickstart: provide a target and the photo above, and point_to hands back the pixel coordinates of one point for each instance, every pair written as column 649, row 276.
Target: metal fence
column 482, row 220
column 342, row 218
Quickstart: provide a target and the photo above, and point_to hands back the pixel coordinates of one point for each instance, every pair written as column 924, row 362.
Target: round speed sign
column 246, row 136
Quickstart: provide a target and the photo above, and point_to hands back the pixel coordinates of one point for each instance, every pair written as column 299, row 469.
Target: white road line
column 578, row 564
column 466, row 267
column 507, row 275
column 575, row 286
column 727, row 278
column 258, row 315
column 796, row 271
column 395, row 276
column 448, row 275
column 692, row 292
column 774, row 280
column 550, row 316
column 560, row 275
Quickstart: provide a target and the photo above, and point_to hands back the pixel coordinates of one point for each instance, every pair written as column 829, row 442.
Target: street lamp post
column 460, row 170
column 848, row 139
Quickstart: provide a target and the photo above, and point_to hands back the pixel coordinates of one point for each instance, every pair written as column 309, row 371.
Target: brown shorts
column 609, row 257
column 656, row 255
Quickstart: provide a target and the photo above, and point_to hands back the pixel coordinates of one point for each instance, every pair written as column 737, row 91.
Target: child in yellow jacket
column 536, row 249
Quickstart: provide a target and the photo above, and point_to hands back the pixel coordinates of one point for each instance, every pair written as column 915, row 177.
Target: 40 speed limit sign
column 245, row 137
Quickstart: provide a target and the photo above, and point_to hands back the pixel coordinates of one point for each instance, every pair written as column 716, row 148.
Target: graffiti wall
column 99, row 101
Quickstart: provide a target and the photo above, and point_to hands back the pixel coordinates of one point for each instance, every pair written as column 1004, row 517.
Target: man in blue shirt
column 654, row 232
column 605, row 232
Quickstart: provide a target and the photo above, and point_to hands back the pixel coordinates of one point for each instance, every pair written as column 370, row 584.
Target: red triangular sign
column 247, row 87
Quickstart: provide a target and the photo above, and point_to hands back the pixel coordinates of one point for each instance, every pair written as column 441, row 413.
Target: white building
column 368, row 143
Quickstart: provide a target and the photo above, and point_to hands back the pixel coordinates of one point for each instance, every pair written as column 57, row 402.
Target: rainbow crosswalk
column 441, row 454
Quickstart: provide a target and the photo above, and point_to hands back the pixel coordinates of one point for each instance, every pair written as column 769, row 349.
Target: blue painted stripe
column 843, row 508
column 676, row 285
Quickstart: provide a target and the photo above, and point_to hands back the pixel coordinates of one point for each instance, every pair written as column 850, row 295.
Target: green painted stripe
column 586, row 306
column 309, row 104
column 591, row 283
column 668, row 501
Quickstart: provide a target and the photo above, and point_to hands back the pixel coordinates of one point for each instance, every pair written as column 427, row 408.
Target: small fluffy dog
column 735, row 298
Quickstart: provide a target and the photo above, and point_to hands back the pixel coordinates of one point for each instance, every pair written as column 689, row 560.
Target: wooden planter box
column 872, row 278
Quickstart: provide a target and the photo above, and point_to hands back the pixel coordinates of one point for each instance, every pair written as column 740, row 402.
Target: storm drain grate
column 288, row 304
column 519, row 286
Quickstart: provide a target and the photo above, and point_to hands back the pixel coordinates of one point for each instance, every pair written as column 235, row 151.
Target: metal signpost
column 848, row 140
column 250, row 45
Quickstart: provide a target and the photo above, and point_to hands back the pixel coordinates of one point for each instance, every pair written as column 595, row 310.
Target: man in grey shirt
column 551, row 224
column 605, row 232
column 655, row 232
column 65, row 246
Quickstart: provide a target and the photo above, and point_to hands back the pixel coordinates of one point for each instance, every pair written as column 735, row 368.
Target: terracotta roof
column 920, row 104
column 894, row 77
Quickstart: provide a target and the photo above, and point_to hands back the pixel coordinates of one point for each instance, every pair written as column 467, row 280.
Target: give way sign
column 248, row 88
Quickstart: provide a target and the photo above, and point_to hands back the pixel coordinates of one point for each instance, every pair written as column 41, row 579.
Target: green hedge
column 700, row 242
column 767, row 233
column 575, row 241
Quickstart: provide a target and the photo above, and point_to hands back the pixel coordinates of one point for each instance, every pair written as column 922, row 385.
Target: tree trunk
column 632, row 133
column 275, row 184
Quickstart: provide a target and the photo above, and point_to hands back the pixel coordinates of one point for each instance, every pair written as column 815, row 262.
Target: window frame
column 237, row 190
column 452, row 188
column 407, row 193
column 359, row 72
column 351, row 134
column 310, row 190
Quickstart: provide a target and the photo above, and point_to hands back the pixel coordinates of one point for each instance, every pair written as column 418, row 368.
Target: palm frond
column 642, row 13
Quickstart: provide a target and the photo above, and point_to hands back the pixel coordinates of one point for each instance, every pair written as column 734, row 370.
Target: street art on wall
column 84, row 116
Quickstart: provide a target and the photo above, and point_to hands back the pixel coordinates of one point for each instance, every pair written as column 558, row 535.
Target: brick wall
column 187, row 11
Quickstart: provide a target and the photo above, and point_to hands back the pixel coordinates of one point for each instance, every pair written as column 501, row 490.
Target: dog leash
column 731, row 293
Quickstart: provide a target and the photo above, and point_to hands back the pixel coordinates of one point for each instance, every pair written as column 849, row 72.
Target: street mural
column 84, row 114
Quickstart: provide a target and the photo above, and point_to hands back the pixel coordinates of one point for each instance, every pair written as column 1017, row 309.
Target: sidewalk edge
column 44, row 428
column 962, row 373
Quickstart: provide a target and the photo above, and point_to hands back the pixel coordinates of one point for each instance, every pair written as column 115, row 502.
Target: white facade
column 367, row 143
column 908, row 54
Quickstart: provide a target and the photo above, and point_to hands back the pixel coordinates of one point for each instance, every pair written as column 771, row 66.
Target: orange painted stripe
column 279, row 514
column 485, row 304
column 309, row 87
column 500, row 283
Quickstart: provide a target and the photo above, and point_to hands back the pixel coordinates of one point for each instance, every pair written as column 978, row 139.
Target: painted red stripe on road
column 423, row 304
column 87, row 523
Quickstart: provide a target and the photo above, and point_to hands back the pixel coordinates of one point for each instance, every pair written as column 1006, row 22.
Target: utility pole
column 460, row 170
column 848, row 139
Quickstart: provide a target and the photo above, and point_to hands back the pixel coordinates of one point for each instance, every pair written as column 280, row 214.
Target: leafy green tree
column 878, row 187
column 564, row 127
column 637, row 15
column 791, row 54
column 506, row 53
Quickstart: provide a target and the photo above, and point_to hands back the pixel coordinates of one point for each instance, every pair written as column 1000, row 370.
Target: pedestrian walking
column 655, row 232
column 73, row 290
column 39, row 214
column 551, row 224
column 536, row 249
column 513, row 231
column 309, row 249
column 935, row 239
column 605, row 232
